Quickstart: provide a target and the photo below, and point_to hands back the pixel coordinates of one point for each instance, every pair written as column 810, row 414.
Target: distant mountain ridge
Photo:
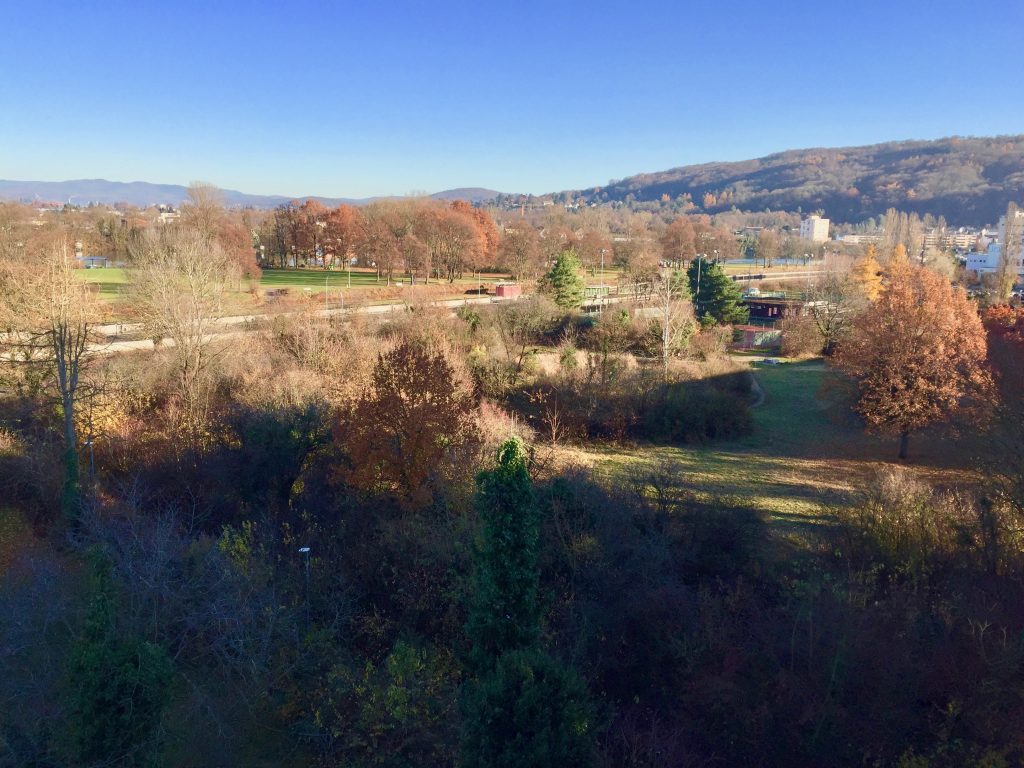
column 143, row 193
column 968, row 180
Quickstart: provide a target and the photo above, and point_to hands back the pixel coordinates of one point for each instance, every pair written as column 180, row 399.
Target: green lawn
column 807, row 454
column 111, row 280
column 318, row 279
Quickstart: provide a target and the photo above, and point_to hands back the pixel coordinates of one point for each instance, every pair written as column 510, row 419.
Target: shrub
column 530, row 712
column 699, row 411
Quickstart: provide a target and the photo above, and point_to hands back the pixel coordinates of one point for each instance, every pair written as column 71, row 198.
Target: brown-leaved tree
column 918, row 354
column 406, row 431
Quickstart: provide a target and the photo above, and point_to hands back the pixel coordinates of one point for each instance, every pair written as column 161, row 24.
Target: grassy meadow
column 807, row 454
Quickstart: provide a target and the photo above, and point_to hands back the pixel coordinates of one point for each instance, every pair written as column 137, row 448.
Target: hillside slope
column 967, row 180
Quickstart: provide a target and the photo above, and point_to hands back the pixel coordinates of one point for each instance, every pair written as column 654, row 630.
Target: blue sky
column 363, row 98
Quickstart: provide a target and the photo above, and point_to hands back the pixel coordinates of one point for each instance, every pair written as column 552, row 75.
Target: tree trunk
column 72, row 483
column 904, row 444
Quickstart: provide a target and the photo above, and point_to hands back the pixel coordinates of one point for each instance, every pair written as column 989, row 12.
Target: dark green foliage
column 700, row 411
column 274, row 446
column 71, row 494
column 505, row 614
column 119, row 688
column 563, row 282
column 398, row 714
column 717, row 297
column 529, row 712
column 524, row 708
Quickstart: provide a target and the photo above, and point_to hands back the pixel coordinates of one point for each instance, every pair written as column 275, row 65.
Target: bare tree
column 519, row 326
column 767, row 247
column 178, row 290
column 520, row 250
column 834, row 301
column 678, row 322
column 1006, row 273
column 204, row 209
column 50, row 317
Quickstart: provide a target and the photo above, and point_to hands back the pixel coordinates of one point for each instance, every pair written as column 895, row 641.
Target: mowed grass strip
column 113, row 281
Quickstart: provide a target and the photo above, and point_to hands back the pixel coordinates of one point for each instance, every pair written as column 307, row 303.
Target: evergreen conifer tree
column 523, row 709
column 563, row 281
column 716, row 296
column 119, row 687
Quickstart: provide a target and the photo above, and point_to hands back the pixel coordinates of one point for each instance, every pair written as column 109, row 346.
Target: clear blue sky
column 362, row 98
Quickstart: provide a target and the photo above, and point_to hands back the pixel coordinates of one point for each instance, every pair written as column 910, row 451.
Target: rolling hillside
column 967, row 180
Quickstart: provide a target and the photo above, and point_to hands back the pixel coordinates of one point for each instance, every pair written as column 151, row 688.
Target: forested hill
column 967, row 180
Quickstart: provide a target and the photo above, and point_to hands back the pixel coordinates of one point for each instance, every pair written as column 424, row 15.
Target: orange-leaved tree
column 488, row 231
column 1003, row 450
column 867, row 274
column 406, row 433
column 918, row 354
column 678, row 242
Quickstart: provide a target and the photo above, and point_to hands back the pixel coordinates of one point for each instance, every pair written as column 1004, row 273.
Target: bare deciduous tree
column 50, row 317
column 1006, row 273
column 178, row 289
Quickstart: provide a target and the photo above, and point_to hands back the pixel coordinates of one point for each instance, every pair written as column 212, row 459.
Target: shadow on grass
column 808, row 455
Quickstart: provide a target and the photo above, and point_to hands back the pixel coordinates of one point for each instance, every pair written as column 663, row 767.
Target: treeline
column 417, row 239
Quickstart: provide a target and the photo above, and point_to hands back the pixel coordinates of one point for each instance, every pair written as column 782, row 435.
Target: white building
column 859, row 239
column 1019, row 216
column 988, row 261
column 815, row 229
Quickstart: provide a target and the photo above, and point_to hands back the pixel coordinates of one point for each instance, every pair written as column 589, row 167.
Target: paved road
column 114, row 331
column 115, row 345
